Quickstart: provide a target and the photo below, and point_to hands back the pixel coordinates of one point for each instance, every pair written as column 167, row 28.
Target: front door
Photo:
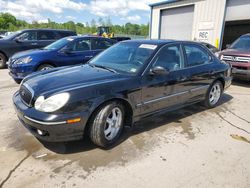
column 162, row 91
column 78, row 51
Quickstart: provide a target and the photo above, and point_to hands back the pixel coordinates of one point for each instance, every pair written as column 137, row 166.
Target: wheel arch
column 221, row 79
column 127, row 105
column 2, row 52
column 43, row 63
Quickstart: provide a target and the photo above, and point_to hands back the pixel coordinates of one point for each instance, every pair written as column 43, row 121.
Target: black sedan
column 123, row 84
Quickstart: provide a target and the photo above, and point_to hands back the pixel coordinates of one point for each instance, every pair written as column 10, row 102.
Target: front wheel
column 44, row 67
column 214, row 94
column 107, row 124
column 3, row 61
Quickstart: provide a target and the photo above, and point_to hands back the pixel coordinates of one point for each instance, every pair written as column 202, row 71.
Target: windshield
column 58, row 44
column 12, row 35
column 241, row 43
column 124, row 57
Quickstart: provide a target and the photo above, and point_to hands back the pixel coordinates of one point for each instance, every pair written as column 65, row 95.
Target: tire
column 18, row 81
column 104, row 130
column 45, row 67
column 213, row 94
column 3, row 61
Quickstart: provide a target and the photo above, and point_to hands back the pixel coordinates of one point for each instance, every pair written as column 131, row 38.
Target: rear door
column 79, row 51
column 201, row 69
column 163, row 91
column 45, row 38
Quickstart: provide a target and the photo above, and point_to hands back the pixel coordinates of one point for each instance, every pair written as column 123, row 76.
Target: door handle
column 89, row 56
column 33, row 43
column 183, row 79
column 212, row 72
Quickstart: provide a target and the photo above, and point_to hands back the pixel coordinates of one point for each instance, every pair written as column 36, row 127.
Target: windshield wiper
column 103, row 67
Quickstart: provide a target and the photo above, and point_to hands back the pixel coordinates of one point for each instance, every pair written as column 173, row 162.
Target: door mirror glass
column 158, row 70
column 66, row 51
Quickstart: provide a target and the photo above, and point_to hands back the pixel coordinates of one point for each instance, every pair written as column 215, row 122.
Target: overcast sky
column 120, row 11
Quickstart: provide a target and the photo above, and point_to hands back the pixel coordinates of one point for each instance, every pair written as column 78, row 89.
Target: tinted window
column 63, row 34
column 46, row 35
column 80, row 45
column 241, row 43
column 101, row 44
column 169, row 57
column 195, row 55
column 28, row 35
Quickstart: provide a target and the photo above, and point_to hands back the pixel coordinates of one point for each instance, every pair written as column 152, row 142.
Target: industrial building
column 218, row 22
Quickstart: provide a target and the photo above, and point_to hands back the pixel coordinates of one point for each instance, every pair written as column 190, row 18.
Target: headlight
column 24, row 60
column 217, row 54
column 52, row 103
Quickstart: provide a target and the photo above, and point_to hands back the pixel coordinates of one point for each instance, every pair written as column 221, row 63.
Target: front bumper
column 52, row 127
column 20, row 72
column 241, row 74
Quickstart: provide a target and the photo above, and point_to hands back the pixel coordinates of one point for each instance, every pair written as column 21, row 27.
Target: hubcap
column 1, row 60
column 113, row 124
column 215, row 94
column 46, row 68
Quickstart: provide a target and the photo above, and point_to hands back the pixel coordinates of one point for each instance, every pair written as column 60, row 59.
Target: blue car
column 64, row 52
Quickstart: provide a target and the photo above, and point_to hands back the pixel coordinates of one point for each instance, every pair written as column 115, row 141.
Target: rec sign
column 203, row 35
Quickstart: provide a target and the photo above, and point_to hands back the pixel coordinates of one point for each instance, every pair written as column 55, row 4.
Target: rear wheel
column 3, row 61
column 45, row 67
column 107, row 124
column 214, row 94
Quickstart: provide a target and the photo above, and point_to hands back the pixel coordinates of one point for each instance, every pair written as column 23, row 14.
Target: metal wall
column 208, row 19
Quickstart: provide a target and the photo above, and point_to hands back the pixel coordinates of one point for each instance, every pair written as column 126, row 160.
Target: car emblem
column 234, row 58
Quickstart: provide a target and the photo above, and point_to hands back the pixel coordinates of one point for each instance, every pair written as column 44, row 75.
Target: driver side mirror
column 228, row 45
column 158, row 70
column 17, row 40
column 66, row 51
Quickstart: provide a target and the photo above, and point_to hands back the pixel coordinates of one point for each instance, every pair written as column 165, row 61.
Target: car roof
column 47, row 29
column 87, row 36
column 158, row 42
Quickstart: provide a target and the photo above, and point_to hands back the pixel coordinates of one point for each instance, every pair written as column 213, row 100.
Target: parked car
column 238, row 55
column 64, row 52
column 210, row 47
column 28, row 39
column 126, row 82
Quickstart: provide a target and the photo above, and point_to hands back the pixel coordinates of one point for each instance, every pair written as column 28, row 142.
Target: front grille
column 236, row 59
column 26, row 95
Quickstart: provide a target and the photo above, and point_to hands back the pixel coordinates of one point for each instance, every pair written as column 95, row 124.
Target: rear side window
column 46, row 35
column 28, row 36
column 169, row 57
column 195, row 55
column 101, row 44
column 63, row 34
column 79, row 45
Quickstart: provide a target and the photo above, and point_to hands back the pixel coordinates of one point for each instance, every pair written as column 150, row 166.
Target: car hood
column 236, row 52
column 35, row 52
column 69, row 78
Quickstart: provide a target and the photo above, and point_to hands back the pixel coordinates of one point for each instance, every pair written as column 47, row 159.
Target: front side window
column 195, row 55
column 126, row 58
column 46, row 35
column 28, row 36
column 169, row 57
column 80, row 45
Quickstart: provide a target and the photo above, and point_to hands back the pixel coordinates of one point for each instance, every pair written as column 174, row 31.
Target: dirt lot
column 192, row 147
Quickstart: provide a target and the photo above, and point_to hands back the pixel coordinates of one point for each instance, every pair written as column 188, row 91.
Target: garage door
column 177, row 23
column 238, row 10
